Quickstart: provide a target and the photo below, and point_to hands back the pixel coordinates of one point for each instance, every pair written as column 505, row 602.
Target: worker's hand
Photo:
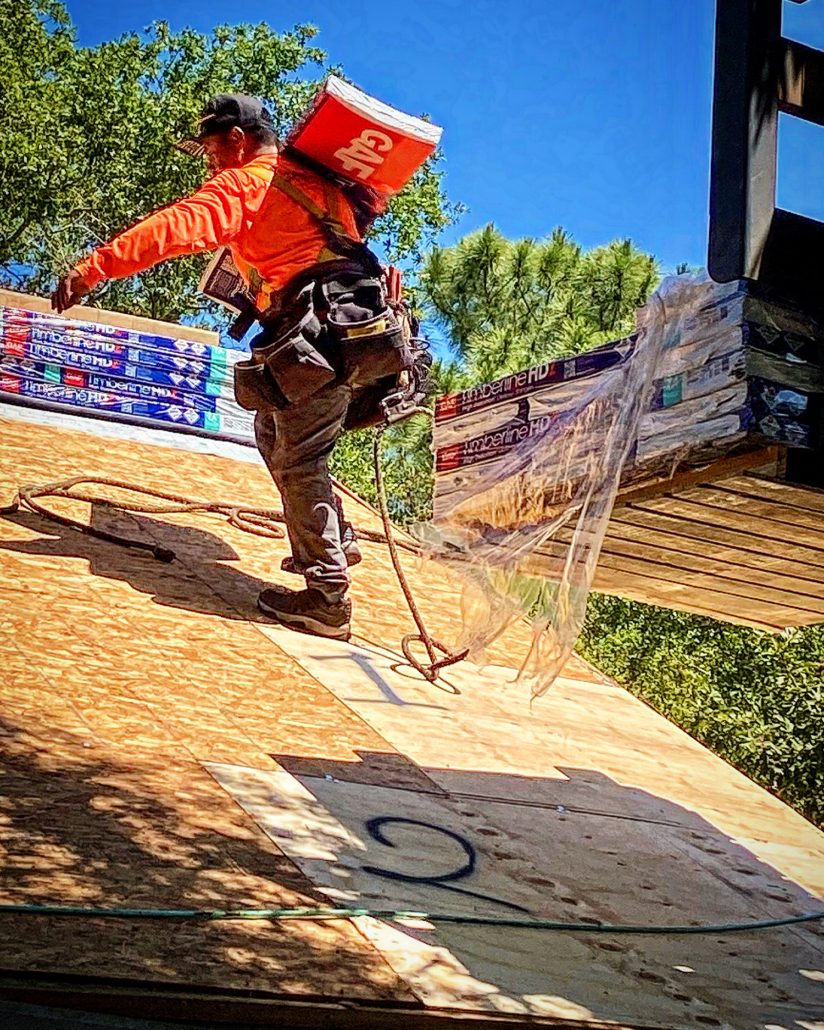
column 69, row 291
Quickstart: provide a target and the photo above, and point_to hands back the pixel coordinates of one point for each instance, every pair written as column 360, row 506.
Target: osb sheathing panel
column 232, row 564
column 119, row 676
column 557, row 865
column 122, row 675
column 106, row 826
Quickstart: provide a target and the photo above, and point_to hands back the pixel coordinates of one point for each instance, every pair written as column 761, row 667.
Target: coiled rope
column 265, row 522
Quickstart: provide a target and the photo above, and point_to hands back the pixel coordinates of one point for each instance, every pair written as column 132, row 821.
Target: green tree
column 509, row 304
column 86, row 141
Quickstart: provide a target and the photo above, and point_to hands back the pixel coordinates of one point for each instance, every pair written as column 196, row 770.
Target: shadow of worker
column 197, row 579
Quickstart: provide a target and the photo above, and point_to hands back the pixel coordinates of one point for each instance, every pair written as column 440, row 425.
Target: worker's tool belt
column 332, row 323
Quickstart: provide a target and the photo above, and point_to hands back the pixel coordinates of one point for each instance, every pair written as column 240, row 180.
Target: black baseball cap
column 223, row 113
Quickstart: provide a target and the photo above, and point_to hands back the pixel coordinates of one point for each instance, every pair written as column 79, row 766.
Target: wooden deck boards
column 762, row 529
column 723, row 541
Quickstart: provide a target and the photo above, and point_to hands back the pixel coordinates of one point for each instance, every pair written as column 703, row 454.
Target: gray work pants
column 295, row 443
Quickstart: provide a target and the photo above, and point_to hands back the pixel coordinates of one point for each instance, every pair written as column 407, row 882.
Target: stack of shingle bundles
column 699, row 405
column 731, row 369
column 490, row 433
column 783, row 350
column 785, row 372
column 123, row 373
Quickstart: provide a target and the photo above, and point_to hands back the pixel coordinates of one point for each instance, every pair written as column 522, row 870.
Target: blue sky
column 591, row 114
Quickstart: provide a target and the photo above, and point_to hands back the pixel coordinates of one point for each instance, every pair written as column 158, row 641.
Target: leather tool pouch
column 287, row 365
column 255, row 390
column 368, row 335
column 338, row 327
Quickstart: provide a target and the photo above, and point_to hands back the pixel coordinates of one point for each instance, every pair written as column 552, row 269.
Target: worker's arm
column 210, row 218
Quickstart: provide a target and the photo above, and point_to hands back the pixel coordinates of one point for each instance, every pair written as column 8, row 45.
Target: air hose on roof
column 394, row 915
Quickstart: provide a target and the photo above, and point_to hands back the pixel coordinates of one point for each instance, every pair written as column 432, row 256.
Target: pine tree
column 509, row 304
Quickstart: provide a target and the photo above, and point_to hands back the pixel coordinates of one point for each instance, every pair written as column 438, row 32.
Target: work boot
column 349, row 544
column 308, row 611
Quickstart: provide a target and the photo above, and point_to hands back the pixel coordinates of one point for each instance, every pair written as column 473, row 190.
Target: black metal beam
column 759, row 74
column 792, row 260
column 744, row 136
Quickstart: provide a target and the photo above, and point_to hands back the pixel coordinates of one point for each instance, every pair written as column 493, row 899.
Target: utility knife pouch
column 367, row 331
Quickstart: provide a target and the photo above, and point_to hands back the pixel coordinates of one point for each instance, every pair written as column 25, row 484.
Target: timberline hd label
column 105, row 370
column 34, row 326
column 102, row 400
column 494, row 444
column 116, row 360
column 521, row 384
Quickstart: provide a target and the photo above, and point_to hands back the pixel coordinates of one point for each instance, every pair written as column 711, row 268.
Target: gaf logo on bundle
column 14, row 343
column 364, row 154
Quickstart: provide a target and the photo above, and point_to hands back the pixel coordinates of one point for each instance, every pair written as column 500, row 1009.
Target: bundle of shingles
column 129, row 375
column 731, row 368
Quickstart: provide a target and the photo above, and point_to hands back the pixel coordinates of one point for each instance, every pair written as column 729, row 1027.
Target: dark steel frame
column 758, row 75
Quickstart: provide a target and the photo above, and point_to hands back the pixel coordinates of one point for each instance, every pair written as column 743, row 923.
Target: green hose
column 394, row 915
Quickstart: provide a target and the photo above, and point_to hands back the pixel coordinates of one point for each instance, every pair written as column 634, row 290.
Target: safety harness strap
column 339, row 244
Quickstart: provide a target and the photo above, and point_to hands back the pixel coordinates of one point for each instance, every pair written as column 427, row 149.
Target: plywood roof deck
column 165, row 746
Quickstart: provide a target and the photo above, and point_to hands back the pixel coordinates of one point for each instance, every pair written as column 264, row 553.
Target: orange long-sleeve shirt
column 267, row 230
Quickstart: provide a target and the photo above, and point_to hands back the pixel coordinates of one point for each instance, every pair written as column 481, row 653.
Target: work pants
column 295, row 443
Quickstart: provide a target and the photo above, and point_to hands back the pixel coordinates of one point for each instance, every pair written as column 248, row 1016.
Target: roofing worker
column 327, row 331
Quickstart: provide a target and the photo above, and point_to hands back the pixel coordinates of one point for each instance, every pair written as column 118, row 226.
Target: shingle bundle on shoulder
column 131, row 375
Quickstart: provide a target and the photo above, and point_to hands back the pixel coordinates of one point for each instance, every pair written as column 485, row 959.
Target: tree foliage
column 509, row 304
column 86, row 140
